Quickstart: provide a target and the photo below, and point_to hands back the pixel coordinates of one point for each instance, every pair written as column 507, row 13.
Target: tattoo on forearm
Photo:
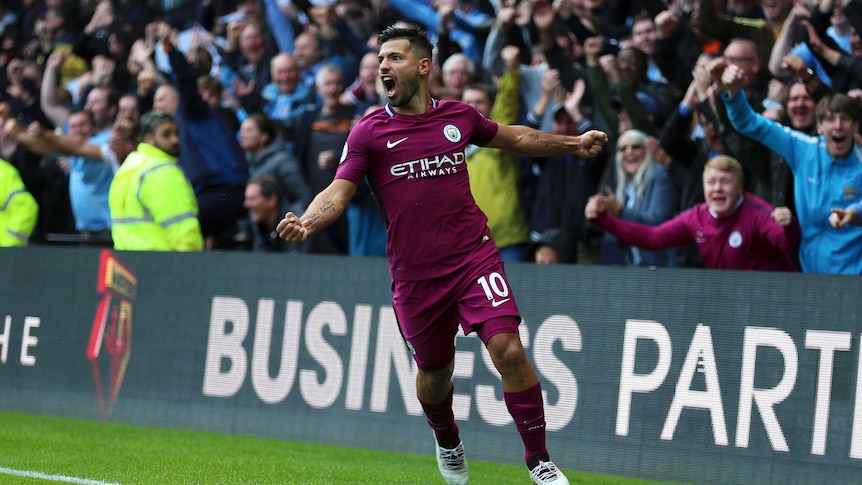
column 312, row 219
column 537, row 139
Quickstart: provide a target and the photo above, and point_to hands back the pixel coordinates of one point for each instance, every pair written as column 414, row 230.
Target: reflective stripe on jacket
column 18, row 209
column 153, row 206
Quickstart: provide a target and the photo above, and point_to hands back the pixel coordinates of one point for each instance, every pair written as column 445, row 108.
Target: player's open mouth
column 388, row 85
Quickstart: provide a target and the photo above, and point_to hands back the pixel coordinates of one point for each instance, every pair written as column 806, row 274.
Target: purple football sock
column 442, row 420
column 527, row 409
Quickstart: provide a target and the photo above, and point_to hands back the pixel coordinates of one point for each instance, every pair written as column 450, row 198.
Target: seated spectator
column 642, row 193
column 266, row 206
column 19, row 210
column 827, row 171
column 152, row 202
column 733, row 229
column 553, row 247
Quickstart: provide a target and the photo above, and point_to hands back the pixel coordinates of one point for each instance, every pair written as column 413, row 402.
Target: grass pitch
column 43, row 450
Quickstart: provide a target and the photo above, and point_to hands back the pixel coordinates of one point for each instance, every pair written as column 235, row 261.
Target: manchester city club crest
column 735, row 239
column 452, row 133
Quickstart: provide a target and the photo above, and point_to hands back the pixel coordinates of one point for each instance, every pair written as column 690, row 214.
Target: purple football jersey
column 748, row 239
column 416, row 167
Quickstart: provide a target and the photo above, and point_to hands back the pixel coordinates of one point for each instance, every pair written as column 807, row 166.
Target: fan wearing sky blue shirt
column 827, row 171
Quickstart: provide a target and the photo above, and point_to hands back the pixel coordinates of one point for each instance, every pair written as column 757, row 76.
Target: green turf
column 130, row 455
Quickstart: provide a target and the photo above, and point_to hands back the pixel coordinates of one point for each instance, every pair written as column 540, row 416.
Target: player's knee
column 507, row 352
column 437, row 378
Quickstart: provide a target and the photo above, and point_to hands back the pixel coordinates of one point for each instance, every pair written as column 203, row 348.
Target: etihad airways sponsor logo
column 445, row 164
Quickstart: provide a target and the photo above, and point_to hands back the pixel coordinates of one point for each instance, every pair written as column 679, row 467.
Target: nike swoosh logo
column 392, row 144
column 495, row 303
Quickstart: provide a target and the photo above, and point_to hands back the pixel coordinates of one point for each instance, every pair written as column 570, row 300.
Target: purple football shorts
column 479, row 298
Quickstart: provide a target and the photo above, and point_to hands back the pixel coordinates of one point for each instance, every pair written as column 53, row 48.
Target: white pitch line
column 54, row 478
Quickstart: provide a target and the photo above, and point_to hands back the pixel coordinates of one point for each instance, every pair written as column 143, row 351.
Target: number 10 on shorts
column 495, row 288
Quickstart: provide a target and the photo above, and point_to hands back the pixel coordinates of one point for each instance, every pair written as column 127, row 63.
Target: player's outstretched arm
column 524, row 140
column 324, row 209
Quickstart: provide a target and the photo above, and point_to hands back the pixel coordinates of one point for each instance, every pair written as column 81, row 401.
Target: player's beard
column 406, row 91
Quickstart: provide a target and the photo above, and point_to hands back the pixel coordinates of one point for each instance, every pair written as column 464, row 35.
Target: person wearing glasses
column 639, row 190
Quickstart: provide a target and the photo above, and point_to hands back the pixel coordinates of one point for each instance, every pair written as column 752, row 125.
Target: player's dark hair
column 416, row 36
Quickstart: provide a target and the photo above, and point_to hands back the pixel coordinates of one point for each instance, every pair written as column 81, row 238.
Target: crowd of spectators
column 264, row 93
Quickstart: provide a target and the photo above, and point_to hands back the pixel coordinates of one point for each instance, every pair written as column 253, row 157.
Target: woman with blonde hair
column 639, row 190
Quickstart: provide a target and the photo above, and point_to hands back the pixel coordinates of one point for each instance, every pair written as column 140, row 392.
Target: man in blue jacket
column 210, row 155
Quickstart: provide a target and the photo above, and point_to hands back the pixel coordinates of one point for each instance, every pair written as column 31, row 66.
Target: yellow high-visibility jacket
column 153, row 205
column 18, row 209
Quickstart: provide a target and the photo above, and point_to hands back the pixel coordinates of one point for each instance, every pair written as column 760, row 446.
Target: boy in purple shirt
column 732, row 229
column 445, row 267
